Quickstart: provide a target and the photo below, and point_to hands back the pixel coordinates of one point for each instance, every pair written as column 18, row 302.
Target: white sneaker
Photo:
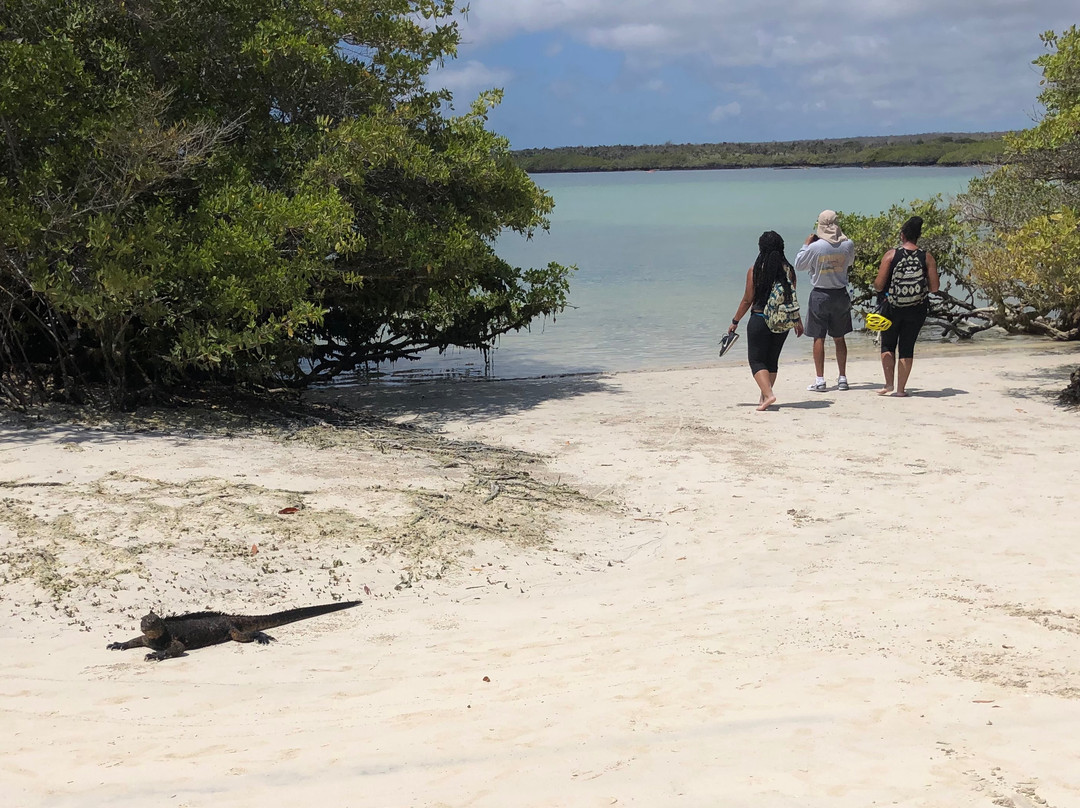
column 818, row 388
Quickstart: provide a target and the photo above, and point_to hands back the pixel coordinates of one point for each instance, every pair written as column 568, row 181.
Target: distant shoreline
column 792, row 167
column 949, row 150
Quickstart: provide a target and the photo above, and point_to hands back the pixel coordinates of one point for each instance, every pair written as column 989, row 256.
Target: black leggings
column 905, row 328
column 762, row 345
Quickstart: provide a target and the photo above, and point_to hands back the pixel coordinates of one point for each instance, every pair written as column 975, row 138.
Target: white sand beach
column 624, row 590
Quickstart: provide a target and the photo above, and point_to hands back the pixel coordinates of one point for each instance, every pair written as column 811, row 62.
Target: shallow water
column 662, row 258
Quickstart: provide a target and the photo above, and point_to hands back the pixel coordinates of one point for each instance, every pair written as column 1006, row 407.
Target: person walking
column 827, row 255
column 763, row 346
column 907, row 275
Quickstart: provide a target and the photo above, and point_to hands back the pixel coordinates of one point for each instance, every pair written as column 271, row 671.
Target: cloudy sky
column 588, row 72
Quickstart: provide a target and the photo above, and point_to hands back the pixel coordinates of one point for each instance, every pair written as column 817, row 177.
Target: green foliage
column 1051, row 150
column 1037, row 264
column 1008, row 249
column 241, row 190
column 921, row 150
column 1003, row 199
column 1027, row 213
column 956, row 307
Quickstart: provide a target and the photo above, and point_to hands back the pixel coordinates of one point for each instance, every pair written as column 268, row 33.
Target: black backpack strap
column 898, row 253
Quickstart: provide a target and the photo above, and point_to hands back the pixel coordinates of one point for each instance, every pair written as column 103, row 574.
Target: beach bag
column 907, row 281
column 780, row 314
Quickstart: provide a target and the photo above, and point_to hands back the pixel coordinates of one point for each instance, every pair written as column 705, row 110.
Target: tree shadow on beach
column 374, row 408
column 78, row 427
column 1042, row 384
column 434, row 402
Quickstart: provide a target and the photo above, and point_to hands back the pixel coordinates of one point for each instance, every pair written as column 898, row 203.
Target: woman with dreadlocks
column 762, row 345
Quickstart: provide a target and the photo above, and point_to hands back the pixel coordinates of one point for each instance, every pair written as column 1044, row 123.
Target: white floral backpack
column 781, row 314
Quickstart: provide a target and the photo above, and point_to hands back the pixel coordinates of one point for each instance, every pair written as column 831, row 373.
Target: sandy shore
column 589, row 591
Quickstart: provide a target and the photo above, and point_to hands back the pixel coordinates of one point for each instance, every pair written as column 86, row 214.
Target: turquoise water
column 662, row 258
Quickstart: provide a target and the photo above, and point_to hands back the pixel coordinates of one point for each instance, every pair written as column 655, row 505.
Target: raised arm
column 804, row 257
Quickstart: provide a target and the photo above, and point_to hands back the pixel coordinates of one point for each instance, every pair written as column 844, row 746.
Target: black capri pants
column 907, row 322
column 762, row 345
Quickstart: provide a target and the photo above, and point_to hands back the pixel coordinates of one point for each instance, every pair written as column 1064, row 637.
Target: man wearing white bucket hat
column 828, row 255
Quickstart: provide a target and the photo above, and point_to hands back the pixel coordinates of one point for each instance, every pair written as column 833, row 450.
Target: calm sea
column 662, row 258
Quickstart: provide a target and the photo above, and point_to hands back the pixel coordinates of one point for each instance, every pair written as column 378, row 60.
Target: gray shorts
column 829, row 313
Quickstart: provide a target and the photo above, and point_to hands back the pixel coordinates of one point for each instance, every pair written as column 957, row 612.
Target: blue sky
column 589, row 72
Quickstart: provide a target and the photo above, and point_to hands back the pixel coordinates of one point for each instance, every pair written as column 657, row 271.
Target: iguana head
column 152, row 626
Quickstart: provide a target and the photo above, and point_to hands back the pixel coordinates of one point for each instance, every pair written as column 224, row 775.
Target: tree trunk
column 1071, row 394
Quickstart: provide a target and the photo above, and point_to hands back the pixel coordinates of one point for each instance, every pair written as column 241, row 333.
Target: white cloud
column 763, row 32
column 730, row 110
column 630, row 37
column 466, row 79
column 915, row 60
column 746, row 89
column 499, row 19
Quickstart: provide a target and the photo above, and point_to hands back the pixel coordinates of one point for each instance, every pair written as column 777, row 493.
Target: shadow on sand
column 367, row 406
column 1045, row 384
column 818, row 404
column 810, row 404
column 431, row 403
column 946, row 392
column 75, row 429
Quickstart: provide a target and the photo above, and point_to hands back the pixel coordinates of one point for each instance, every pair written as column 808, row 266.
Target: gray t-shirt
column 827, row 264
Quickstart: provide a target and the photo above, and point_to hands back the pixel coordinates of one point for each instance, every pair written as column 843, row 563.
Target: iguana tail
column 262, row 622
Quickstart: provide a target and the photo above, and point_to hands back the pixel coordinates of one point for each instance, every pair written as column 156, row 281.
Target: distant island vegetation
column 938, row 149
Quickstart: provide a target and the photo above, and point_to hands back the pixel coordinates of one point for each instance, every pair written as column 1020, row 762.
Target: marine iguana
column 173, row 636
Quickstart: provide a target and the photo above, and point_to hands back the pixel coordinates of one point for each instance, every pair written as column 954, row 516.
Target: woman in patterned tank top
column 907, row 321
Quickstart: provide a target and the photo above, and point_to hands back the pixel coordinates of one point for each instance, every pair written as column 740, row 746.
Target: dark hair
column 911, row 229
column 771, row 266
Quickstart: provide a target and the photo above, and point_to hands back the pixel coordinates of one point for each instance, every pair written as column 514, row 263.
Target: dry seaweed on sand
column 371, row 501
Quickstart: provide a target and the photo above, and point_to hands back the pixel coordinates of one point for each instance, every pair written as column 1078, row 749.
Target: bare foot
column 900, row 394
column 766, row 403
column 884, row 391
